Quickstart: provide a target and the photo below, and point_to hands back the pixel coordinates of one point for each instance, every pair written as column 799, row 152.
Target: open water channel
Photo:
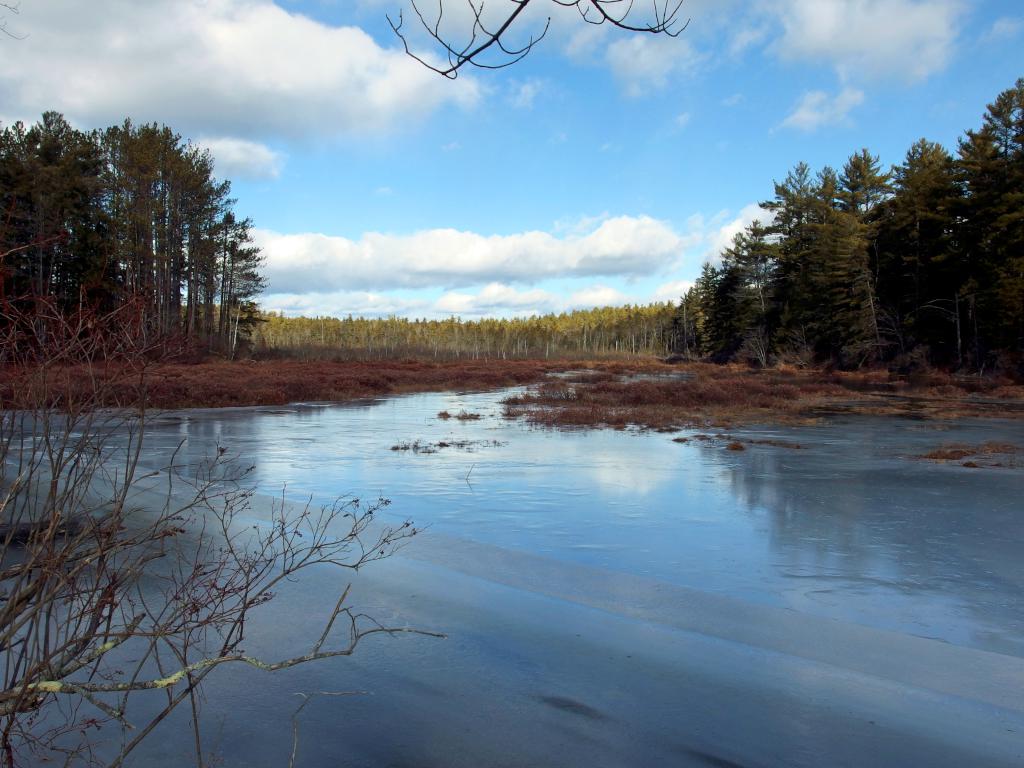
column 614, row 598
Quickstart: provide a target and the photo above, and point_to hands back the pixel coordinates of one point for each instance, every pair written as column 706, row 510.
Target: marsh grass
column 729, row 395
column 645, row 393
column 990, row 454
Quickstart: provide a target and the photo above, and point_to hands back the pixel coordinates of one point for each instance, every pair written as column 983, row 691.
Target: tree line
column 629, row 330
column 922, row 262
column 919, row 263
column 132, row 213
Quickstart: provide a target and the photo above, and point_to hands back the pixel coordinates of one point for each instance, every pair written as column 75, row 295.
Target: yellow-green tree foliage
column 628, row 330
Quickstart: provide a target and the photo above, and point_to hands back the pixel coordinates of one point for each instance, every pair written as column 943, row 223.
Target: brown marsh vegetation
column 990, row 454
column 645, row 393
column 221, row 383
column 700, row 394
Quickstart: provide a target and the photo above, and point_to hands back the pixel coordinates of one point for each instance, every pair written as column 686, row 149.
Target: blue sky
column 603, row 168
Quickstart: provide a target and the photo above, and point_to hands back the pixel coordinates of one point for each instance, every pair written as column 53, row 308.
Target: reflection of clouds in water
column 609, row 474
column 614, row 463
column 844, row 528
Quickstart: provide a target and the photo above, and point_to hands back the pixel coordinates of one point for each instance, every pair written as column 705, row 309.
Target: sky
column 604, row 168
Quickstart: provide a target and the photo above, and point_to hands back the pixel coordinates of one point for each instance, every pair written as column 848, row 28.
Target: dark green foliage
column 129, row 213
column 924, row 261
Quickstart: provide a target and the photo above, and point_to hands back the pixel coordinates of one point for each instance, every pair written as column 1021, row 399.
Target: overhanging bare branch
column 486, row 44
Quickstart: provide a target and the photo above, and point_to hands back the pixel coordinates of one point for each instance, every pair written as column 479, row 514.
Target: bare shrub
column 756, row 347
column 119, row 581
column 796, row 349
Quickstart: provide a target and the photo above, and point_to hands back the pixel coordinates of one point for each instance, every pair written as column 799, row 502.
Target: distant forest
column 631, row 330
column 127, row 214
column 919, row 264
column 922, row 263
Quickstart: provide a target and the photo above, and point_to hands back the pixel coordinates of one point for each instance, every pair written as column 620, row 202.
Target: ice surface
column 615, row 598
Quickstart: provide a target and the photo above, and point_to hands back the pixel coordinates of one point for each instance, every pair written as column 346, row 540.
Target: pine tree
column 795, row 281
column 130, row 212
column 991, row 170
column 921, row 276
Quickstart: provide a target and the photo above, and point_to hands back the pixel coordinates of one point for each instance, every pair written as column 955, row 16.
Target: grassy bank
column 639, row 392
column 701, row 394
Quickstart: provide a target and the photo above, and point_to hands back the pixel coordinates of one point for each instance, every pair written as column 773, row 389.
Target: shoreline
column 644, row 392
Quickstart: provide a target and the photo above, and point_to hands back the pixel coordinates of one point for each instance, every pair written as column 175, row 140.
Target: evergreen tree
column 991, row 164
column 133, row 212
column 795, row 282
column 921, row 276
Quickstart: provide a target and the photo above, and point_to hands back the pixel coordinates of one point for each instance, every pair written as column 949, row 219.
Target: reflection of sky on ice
column 847, row 528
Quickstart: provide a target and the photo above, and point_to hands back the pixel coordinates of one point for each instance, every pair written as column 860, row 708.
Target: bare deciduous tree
column 487, row 43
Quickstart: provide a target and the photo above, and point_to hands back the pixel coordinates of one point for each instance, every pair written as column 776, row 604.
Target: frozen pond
column 617, row 598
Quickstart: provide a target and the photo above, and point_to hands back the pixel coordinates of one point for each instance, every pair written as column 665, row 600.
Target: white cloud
column 909, row 39
column 644, row 63
column 523, row 94
column 747, row 37
column 672, row 291
column 816, row 109
column 597, row 296
column 682, row 119
column 861, row 39
column 585, row 41
column 499, row 276
column 239, row 158
column 620, row 246
column 500, row 300
column 492, row 300
column 238, row 68
column 732, row 101
column 728, row 226
column 343, row 303
column 496, row 299
column 1005, row 28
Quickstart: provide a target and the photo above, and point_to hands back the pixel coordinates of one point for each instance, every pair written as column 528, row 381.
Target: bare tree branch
column 486, row 45
column 118, row 582
column 14, row 9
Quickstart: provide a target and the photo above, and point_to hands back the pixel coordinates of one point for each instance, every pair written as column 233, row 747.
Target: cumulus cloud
column 223, row 68
column 240, row 158
column 860, row 39
column 343, row 303
column 492, row 300
column 499, row 300
column 597, row 296
column 496, row 299
column 910, row 39
column 439, row 273
column 621, row 246
column 816, row 109
column 726, row 226
column 672, row 291
column 644, row 63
